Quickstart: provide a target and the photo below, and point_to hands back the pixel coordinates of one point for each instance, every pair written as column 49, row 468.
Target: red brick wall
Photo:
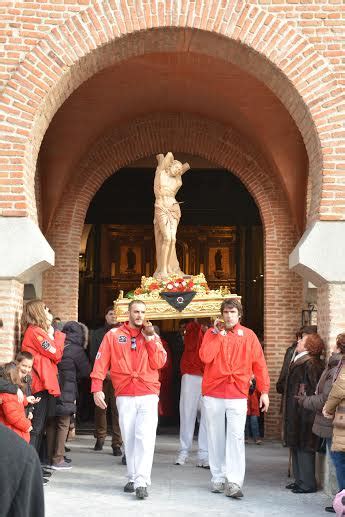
column 222, row 146
column 51, row 48
column 331, row 312
column 11, row 308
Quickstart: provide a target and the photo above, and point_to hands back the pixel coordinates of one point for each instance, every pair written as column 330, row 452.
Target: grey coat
column 322, row 426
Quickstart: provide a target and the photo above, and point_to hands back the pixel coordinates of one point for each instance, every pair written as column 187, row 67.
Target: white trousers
column 138, row 418
column 226, row 450
column 190, row 402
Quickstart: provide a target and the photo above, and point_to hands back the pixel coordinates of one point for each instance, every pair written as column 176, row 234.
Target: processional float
column 169, row 293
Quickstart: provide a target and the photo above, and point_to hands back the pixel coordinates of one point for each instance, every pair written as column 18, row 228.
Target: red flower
column 153, row 287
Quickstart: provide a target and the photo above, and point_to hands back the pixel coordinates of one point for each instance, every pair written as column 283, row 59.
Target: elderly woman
column 335, row 407
column 322, row 426
column 303, row 376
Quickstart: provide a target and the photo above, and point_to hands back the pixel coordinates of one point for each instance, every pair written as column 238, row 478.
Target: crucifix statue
column 168, row 180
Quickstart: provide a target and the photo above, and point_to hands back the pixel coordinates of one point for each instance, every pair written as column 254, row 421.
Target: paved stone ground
column 93, row 487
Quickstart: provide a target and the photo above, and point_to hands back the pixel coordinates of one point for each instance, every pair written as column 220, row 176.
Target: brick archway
column 100, row 36
column 218, row 144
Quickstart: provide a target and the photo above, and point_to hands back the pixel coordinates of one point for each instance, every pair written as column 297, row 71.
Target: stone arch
column 104, row 34
column 218, row 144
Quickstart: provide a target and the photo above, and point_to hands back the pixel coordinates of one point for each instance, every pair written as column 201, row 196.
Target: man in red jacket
column 231, row 354
column 192, row 369
column 133, row 354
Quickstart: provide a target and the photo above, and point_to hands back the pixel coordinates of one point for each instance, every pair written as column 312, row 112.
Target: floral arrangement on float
column 174, row 298
column 151, row 287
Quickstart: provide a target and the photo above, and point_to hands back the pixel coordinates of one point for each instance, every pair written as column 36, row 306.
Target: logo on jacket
column 98, row 355
column 45, row 345
column 240, row 332
column 122, row 339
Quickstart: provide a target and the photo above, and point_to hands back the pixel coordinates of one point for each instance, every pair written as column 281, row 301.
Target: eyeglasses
column 133, row 343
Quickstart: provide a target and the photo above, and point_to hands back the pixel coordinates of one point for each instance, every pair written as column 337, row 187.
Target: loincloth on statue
column 165, row 216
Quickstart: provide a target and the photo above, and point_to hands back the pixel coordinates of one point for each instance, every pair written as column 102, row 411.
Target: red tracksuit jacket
column 47, row 354
column 190, row 360
column 233, row 358
column 132, row 372
column 12, row 415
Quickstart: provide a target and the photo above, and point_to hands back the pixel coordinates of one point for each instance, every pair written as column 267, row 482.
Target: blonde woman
column 46, row 346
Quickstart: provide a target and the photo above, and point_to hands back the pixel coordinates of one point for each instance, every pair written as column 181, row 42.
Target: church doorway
column 220, row 234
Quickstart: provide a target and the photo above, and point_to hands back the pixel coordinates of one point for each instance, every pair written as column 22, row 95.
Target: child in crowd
column 339, row 504
column 253, row 413
column 12, row 409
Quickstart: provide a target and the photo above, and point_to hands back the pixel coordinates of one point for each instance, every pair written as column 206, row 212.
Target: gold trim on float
column 202, row 306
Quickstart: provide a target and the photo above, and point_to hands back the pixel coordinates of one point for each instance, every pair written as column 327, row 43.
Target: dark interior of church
column 209, row 197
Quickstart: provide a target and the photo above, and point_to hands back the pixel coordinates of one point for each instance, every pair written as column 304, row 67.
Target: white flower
column 184, row 283
column 169, row 286
column 176, row 284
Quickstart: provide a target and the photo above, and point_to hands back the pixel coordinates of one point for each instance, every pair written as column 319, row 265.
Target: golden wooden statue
column 168, row 276
column 168, row 180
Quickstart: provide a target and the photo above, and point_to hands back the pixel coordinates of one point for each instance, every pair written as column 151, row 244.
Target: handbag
column 339, row 417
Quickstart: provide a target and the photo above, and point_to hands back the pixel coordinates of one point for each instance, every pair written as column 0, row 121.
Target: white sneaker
column 217, row 487
column 181, row 459
column 203, row 464
column 63, row 465
column 233, row 490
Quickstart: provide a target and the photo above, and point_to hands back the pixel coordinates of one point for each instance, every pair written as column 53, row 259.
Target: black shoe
column 117, row 451
column 67, row 449
column 300, row 490
column 46, row 473
column 129, row 487
column 330, row 509
column 67, row 460
column 98, row 445
column 45, row 481
column 123, row 460
column 292, row 486
column 141, row 492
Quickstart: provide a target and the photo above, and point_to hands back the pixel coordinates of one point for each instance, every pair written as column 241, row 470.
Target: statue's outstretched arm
column 167, row 161
column 160, row 158
column 185, row 168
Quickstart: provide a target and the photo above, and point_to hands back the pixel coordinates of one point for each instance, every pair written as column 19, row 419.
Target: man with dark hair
column 101, row 414
column 231, row 353
column 133, row 353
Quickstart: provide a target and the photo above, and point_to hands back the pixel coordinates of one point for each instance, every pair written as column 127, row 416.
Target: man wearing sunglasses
column 133, row 354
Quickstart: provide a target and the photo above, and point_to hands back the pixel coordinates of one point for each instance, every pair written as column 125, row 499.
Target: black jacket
column 298, row 422
column 21, row 487
column 280, row 386
column 7, row 386
column 96, row 340
column 73, row 366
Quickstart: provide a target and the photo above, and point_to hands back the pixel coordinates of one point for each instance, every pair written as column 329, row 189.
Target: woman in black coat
column 303, row 376
column 74, row 365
